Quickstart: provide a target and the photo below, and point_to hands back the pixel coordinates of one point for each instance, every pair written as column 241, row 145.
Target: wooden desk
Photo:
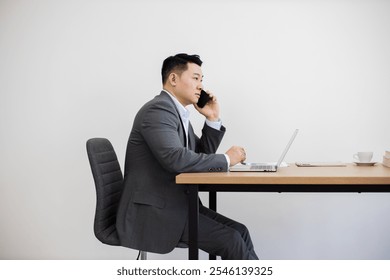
column 350, row 178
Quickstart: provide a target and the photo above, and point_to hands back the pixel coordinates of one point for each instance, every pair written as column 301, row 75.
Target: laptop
column 263, row 167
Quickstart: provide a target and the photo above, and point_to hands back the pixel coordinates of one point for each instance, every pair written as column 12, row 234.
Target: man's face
column 189, row 85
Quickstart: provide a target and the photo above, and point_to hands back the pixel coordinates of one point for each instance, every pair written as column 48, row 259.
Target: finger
column 212, row 96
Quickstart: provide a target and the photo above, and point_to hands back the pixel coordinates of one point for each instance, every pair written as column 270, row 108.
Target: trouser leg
column 223, row 237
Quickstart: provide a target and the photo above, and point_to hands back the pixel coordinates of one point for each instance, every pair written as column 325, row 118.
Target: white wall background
column 72, row 70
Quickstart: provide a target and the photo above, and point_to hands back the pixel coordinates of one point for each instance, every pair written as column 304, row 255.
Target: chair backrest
column 108, row 179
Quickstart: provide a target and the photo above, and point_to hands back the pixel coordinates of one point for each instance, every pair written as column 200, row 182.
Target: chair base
column 143, row 255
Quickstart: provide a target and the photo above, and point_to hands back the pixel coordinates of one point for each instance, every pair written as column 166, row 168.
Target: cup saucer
column 372, row 163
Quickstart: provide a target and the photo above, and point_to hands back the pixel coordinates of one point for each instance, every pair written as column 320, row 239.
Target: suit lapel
column 191, row 137
column 181, row 131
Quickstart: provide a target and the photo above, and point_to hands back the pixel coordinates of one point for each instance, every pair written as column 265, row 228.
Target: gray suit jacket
column 153, row 210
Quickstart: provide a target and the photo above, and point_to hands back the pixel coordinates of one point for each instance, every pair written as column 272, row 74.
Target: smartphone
column 203, row 99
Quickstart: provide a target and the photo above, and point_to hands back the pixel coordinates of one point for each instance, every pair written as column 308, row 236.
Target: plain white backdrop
column 73, row 70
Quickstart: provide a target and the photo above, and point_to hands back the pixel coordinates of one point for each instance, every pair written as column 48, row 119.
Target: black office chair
column 108, row 179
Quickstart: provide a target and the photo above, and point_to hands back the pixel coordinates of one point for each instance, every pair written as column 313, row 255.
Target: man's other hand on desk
column 236, row 155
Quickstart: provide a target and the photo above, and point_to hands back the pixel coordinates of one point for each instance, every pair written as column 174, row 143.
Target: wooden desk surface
column 347, row 175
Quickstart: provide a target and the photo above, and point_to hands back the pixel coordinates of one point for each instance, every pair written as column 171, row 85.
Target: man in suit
column 153, row 212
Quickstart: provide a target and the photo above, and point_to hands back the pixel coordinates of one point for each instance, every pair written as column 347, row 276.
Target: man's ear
column 172, row 78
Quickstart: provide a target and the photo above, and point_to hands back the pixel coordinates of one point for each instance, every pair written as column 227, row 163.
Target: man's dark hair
column 178, row 63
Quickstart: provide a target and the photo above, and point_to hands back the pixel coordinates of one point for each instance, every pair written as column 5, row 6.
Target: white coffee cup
column 363, row 156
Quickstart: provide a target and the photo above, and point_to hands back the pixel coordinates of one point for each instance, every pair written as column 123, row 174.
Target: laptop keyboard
column 259, row 167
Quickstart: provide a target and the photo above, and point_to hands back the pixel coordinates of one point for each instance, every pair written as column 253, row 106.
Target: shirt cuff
column 216, row 125
column 228, row 161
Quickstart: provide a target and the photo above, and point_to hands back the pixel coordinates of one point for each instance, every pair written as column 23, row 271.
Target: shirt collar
column 184, row 113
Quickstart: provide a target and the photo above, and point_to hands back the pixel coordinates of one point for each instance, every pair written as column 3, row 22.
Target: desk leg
column 213, row 200
column 193, row 216
column 212, row 206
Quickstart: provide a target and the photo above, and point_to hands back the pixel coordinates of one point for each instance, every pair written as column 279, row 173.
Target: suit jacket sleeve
column 160, row 129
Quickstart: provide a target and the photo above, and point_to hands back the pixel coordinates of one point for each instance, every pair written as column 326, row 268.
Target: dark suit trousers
column 221, row 236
